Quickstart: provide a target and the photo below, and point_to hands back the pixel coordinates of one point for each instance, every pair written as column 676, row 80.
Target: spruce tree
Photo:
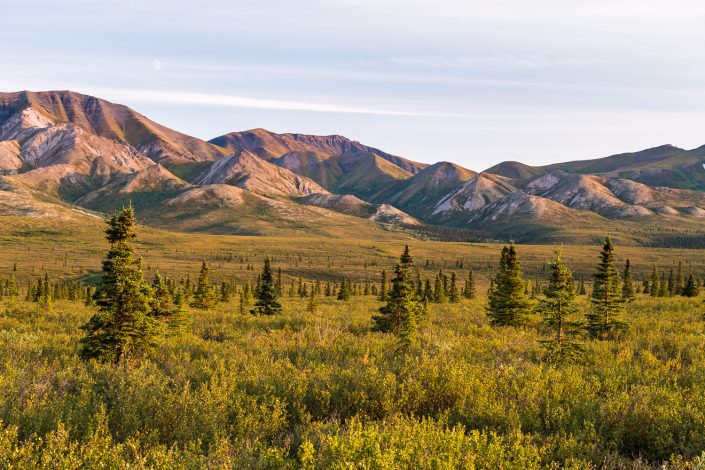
column 89, row 297
column 427, row 291
column 45, row 297
column 607, row 301
column 242, row 304
column 556, row 307
column 453, row 294
column 654, row 285
column 679, row 279
column 671, row 283
column 439, row 295
column 204, row 297
column 12, row 292
column 403, row 311
column 691, row 288
column 123, row 328
column 507, row 303
column 663, row 286
column 163, row 304
column 225, row 292
column 383, row 287
column 266, row 302
column 627, row 283
column 344, row 291
column 469, row 288
column 179, row 319
column 312, row 304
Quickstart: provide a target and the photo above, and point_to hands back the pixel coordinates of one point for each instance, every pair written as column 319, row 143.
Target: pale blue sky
column 473, row 82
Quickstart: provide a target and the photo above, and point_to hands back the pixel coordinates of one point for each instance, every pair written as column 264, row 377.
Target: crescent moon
column 157, row 66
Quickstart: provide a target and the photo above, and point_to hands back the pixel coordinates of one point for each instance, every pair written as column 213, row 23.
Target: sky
column 474, row 82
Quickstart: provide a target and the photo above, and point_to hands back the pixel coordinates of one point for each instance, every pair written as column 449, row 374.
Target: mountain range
column 66, row 153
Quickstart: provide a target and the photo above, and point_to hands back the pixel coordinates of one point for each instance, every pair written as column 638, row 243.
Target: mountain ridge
column 64, row 147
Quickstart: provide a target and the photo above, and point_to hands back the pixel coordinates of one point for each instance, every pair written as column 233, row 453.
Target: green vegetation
column 318, row 386
column 123, row 328
column 403, row 311
column 266, row 295
column 557, row 307
column 507, row 304
column 607, row 299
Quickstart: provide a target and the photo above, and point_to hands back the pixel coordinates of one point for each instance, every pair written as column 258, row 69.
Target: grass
column 66, row 251
column 321, row 390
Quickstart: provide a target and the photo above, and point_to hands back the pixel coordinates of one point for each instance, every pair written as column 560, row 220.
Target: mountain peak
column 111, row 121
column 514, row 170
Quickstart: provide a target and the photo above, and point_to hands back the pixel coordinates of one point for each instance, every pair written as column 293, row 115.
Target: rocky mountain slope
column 335, row 162
column 70, row 155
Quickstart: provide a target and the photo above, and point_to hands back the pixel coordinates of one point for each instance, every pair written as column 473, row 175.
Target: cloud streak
column 236, row 101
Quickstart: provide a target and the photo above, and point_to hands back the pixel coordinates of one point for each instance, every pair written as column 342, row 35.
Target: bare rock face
column 522, row 205
column 391, row 215
column 475, row 194
column 247, row 171
column 10, row 161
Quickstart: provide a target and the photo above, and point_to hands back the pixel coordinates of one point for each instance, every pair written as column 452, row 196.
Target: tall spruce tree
column 266, row 302
column 469, row 288
column 204, row 297
column 123, row 328
column 671, row 283
column 663, row 286
column 507, row 303
column 654, row 285
column 679, row 280
column 556, row 307
column 403, row 310
column 439, row 292
column 383, row 287
column 453, row 292
column 627, row 283
column 607, row 300
column 45, row 296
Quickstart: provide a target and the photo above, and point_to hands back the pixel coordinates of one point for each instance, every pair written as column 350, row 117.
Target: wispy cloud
column 236, row 101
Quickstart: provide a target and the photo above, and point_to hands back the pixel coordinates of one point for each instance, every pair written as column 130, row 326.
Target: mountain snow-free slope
column 338, row 164
column 419, row 194
column 110, row 121
column 63, row 152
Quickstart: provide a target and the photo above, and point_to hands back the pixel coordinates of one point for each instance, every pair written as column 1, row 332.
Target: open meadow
column 316, row 387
